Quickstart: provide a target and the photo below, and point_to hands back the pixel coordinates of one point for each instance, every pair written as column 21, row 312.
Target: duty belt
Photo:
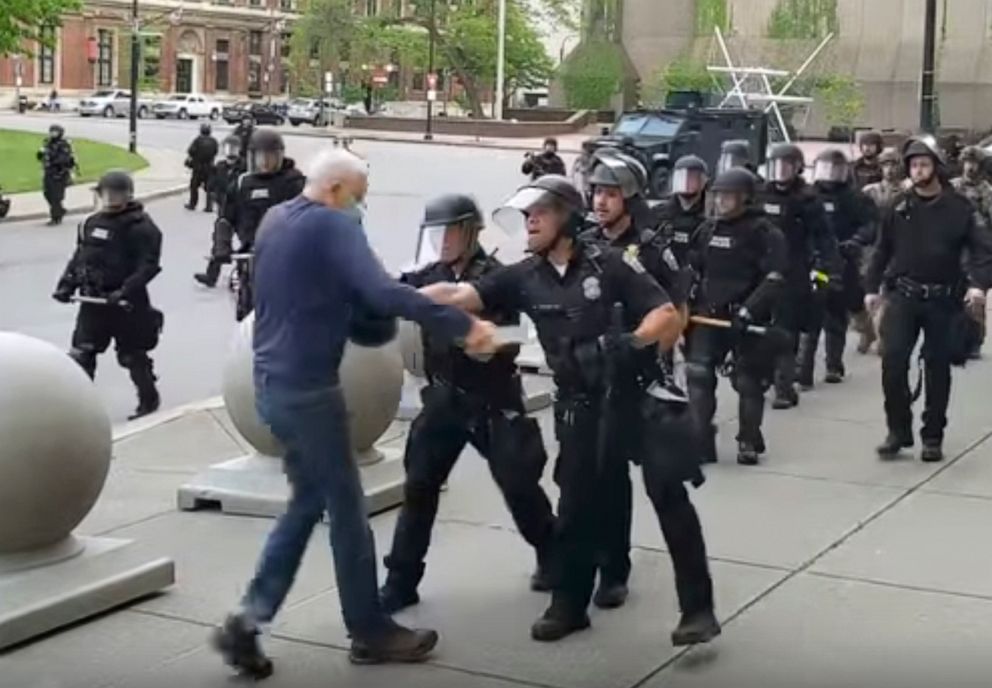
column 924, row 292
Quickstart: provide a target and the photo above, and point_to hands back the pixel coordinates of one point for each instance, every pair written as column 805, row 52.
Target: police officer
column 924, row 239
column 739, row 260
column 273, row 179
column 812, row 256
column 118, row 253
column 200, row 160
column 973, row 185
column 465, row 401
column 851, row 215
column 244, row 132
column 623, row 222
column 735, row 153
column 682, row 213
column 867, row 169
column 548, row 162
column 883, row 192
column 569, row 289
column 226, row 172
column 58, row 162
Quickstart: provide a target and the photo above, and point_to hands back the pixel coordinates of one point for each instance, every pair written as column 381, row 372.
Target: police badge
column 591, row 288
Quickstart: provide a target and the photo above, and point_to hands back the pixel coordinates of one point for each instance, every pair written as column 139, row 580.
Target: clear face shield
column 687, row 182
column 447, row 243
column 729, row 161
column 781, row 171
column 231, row 149
column 829, row 172
column 110, row 200
column 55, row 133
column 266, row 162
column 531, row 213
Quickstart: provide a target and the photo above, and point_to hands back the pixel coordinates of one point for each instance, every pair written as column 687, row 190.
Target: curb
column 79, row 208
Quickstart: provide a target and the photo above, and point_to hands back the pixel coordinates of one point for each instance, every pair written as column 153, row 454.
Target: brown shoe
column 397, row 644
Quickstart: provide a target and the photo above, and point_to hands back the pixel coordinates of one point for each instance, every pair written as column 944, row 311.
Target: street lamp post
column 132, row 134
column 927, row 96
column 500, row 60
column 431, row 85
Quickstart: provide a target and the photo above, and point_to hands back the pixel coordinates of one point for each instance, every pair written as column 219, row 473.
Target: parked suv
column 308, row 110
column 112, row 103
column 187, row 106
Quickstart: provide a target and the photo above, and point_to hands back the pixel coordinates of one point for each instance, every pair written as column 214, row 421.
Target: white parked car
column 112, row 102
column 187, row 106
column 308, row 110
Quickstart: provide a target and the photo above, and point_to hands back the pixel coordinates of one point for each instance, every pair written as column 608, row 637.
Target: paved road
column 198, row 321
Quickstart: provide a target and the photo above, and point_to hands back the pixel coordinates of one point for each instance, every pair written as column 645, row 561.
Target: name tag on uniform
column 720, row 242
column 829, row 207
column 773, row 209
column 259, row 193
column 100, row 233
column 681, row 237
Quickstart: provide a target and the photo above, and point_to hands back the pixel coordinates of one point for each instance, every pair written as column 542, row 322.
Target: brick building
column 223, row 47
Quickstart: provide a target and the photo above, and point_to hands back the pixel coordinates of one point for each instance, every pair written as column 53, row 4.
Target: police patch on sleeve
column 632, row 261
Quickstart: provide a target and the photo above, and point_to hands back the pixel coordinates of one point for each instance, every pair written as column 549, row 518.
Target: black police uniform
column 571, row 312
column 117, row 255
column 851, row 215
column 866, row 171
column 653, row 249
column 738, row 263
column 680, row 223
column 919, row 255
column 545, row 163
column 468, row 402
column 58, row 160
column 223, row 177
column 244, row 133
column 201, row 155
column 799, row 214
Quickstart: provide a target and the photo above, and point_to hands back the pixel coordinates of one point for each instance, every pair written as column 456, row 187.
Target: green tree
column 21, row 21
column 842, row 97
column 682, row 74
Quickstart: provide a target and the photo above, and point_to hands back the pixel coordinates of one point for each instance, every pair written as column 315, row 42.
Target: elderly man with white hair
column 313, row 269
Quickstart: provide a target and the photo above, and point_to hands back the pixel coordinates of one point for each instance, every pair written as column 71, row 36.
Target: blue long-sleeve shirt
column 311, row 265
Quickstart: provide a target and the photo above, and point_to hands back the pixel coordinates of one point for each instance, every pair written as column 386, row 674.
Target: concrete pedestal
column 46, row 589
column 255, row 485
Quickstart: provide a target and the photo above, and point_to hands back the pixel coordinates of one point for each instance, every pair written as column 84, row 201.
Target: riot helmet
column 450, row 229
column 247, row 120
column 55, row 132
column 831, row 167
column 733, row 191
column 266, row 150
column 115, row 190
column 551, row 145
column 871, row 144
column 922, row 147
column 735, row 153
column 972, row 162
column 785, row 163
column 205, row 129
column 689, row 175
column 891, row 163
column 546, row 210
column 231, row 148
column 619, row 170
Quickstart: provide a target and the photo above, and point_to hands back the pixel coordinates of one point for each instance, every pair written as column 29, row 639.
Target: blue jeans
column 313, row 425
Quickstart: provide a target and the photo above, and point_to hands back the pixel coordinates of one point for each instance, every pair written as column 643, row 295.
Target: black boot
column 610, row 594
column 237, row 642
column 394, row 596
column 697, row 628
column 395, row 644
column 747, row 454
column 932, row 452
column 143, row 376
column 707, row 446
column 835, row 375
column 558, row 622
column 805, row 362
column 541, row 579
column 210, row 276
column 893, row 444
column 785, row 398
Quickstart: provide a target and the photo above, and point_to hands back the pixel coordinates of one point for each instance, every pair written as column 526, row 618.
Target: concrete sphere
column 55, row 444
column 371, row 378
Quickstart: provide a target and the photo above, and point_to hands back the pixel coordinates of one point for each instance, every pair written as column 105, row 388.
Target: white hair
column 332, row 165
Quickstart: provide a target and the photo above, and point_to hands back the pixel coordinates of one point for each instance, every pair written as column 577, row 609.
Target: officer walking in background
column 812, row 256
column 624, row 222
column 244, row 132
column 226, row 172
column 851, row 216
column 973, row 185
column 931, row 250
column 883, row 192
column 466, row 401
column 596, row 310
column 200, row 160
column 736, row 153
column 273, row 179
column 58, row 161
column 867, row 169
column 547, row 162
column 739, row 260
column 681, row 214
column 118, row 252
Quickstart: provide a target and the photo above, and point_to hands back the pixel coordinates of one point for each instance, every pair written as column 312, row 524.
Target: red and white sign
column 432, row 82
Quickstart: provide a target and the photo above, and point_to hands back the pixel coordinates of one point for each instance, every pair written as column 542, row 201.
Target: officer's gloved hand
column 741, row 321
column 114, row 298
column 62, row 295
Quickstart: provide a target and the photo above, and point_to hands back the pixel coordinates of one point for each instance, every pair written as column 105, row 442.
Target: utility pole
column 431, row 79
column 927, row 96
column 132, row 138
column 500, row 60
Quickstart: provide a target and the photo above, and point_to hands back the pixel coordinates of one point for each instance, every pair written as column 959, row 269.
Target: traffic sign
column 432, row 82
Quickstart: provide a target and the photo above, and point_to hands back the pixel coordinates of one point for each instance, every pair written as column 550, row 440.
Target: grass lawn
column 20, row 170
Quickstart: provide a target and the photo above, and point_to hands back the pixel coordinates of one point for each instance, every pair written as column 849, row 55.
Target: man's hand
column 481, row 338
column 974, row 299
column 114, row 298
column 741, row 321
column 872, row 302
column 62, row 295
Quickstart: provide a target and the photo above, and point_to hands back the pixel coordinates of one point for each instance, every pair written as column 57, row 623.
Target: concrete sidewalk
column 831, row 567
column 165, row 175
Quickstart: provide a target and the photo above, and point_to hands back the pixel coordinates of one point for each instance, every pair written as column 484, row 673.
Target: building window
column 255, row 3
column 285, row 45
column 288, row 5
column 105, row 59
column 254, row 77
column 46, row 56
column 221, row 75
column 223, row 48
column 371, row 8
column 418, row 81
column 255, row 43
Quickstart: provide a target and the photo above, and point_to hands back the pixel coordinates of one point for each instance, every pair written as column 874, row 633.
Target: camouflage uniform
column 883, row 192
column 979, row 192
